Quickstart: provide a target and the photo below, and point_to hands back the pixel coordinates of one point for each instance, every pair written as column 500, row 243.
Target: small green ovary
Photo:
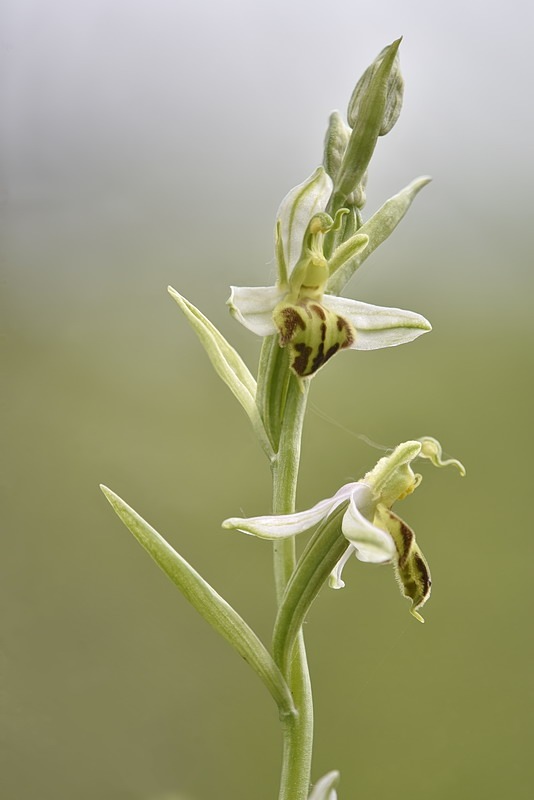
column 313, row 334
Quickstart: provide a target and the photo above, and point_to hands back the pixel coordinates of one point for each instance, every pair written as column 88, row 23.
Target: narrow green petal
column 347, row 251
column 215, row 610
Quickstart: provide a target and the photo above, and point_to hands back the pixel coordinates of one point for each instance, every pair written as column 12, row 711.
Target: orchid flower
column 375, row 534
column 315, row 325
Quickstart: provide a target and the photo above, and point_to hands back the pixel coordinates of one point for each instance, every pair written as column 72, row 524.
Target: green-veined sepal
column 295, row 212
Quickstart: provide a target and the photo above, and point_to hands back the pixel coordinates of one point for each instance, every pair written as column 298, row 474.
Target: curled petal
column 253, row 307
column 282, row 526
column 378, row 326
column 371, row 543
column 296, row 210
column 431, row 448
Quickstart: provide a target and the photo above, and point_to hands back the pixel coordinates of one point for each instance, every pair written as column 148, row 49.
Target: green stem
column 298, row 730
column 321, row 555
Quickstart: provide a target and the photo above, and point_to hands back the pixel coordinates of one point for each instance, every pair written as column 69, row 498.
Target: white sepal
column 378, row 326
column 282, row 526
column 296, row 210
column 253, row 307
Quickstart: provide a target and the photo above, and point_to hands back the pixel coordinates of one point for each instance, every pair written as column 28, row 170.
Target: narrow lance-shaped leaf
column 215, row 610
column 378, row 228
column 227, row 363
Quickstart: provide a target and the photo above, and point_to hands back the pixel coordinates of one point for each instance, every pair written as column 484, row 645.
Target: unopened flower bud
column 373, row 110
column 394, row 90
column 336, row 141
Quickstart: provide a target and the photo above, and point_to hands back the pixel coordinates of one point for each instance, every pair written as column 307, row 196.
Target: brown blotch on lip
column 343, row 325
column 301, row 361
column 319, row 359
column 319, row 310
column 423, row 574
column 322, row 357
column 331, row 351
column 407, row 540
column 291, row 321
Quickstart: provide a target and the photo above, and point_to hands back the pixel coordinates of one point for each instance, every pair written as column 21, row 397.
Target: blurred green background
column 151, row 143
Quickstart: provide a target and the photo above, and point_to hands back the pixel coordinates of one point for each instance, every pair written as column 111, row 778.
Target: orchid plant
column 321, row 240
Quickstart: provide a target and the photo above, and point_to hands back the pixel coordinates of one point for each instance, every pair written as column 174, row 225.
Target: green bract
column 227, row 363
